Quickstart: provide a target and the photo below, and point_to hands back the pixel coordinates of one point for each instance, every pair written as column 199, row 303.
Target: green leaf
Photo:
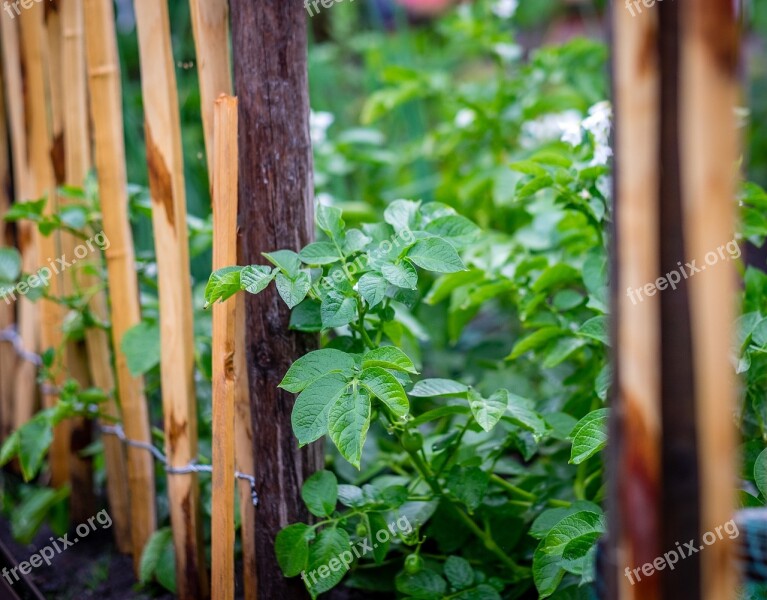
column 579, row 546
column 439, row 413
column 424, row 585
column 35, row 438
column 401, row 214
column 521, row 412
column 468, row 484
column 337, row 310
column 286, row 260
column 545, row 521
column 435, row 254
column 596, row 328
column 293, row 291
column 306, row 317
column 29, row 514
column 483, row 591
column 535, row 185
column 589, row 436
column 760, row 473
column 330, row 545
column 554, row 276
column 384, row 386
column 377, row 523
column 320, row 493
column 314, row 365
column 488, row 411
column 255, row 278
column 141, row 347
column 454, row 228
column 528, row 167
column 458, row 572
column 31, row 210
column 292, row 548
column 10, row 264
column 372, row 287
column 223, row 284
column 427, row 388
column 389, row 357
column 10, row 448
column 547, row 571
column 329, row 219
column 402, row 274
column 348, row 423
column 319, row 253
column 534, row 341
column 310, row 412
column 153, row 550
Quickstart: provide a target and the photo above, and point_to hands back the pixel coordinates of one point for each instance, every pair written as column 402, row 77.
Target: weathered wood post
column 276, row 211
column 673, row 464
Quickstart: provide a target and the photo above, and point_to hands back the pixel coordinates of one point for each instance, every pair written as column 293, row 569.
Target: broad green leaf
column 337, row 310
column 389, row 357
column 384, row 386
column 468, row 484
column 329, row 219
column 31, row 511
column 10, row 264
column 528, row 167
column 348, row 423
column 372, row 287
column 330, row 544
column 401, row 214
column 483, row 591
column 580, row 546
column 438, row 413
column 35, row 438
column 424, row 585
column 458, row 572
column 377, row 523
column 447, row 284
column 356, row 241
column 10, row 448
column 521, row 412
column 545, row 521
column 292, row 548
column 402, row 274
column 554, row 276
column 310, row 412
column 141, row 347
column 153, row 550
column 306, row 317
column 535, row 185
column 596, row 328
column 534, row 341
column 488, row 411
column 320, row 493
column 454, row 228
column 547, row 571
column 314, row 365
column 223, row 284
column 255, row 278
column 293, row 291
column 760, row 473
column 589, row 436
column 286, row 260
column 435, row 254
column 319, row 253
column 427, row 388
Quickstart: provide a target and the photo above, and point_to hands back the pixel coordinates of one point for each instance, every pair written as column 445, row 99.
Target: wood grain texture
column 162, row 130
column 24, row 382
column 224, row 255
column 636, row 408
column 276, row 211
column 7, row 310
column 109, row 153
column 709, row 93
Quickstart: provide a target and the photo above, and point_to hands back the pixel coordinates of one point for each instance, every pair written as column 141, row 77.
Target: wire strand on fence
column 11, row 335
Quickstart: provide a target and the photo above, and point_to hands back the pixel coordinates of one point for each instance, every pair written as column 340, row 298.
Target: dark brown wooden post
column 276, row 211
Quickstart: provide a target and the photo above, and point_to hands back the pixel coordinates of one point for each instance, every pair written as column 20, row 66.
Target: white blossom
column 505, row 9
column 598, row 124
column 508, row 52
column 549, row 127
column 464, row 118
column 318, row 125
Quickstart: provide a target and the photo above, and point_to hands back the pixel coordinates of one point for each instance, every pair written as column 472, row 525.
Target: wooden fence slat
column 224, row 254
column 7, row 312
column 162, row 130
column 109, row 152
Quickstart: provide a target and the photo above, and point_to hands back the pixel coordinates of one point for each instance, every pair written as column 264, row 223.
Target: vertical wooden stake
column 25, row 383
column 109, row 152
column 166, row 182
column 224, row 254
column 276, row 211
column 709, row 93
column 7, row 312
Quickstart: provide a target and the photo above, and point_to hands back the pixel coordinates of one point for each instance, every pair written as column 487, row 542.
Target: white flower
column 505, row 9
column 598, row 123
column 464, row 118
column 571, row 130
column 508, row 52
column 549, row 127
column 318, row 125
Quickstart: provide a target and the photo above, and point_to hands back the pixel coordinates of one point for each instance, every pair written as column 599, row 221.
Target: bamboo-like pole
column 109, row 152
column 96, row 352
column 636, row 471
column 210, row 25
column 25, row 384
column 7, row 314
column 224, row 254
column 33, row 46
column 709, row 93
column 166, row 182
